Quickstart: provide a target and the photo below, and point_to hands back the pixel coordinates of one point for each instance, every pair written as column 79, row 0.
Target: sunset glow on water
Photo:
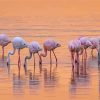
column 38, row 20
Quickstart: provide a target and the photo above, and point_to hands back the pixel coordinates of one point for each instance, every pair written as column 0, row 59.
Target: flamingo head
column 88, row 43
column 57, row 44
column 24, row 44
column 35, row 47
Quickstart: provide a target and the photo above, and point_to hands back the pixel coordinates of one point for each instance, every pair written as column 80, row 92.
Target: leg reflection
column 18, row 84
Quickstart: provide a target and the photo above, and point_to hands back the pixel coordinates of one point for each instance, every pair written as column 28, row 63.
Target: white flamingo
column 18, row 43
column 34, row 48
column 4, row 41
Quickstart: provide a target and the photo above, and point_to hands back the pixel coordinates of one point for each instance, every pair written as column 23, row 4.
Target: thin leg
column 40, row 59
column 72, row 59
column 19, row 62
column 81, row 67
column 50, row 58
column 34, row 58
column 92, row 52
column 85, row 54
column 85, row 67
column 98, row 57
column 40, row 64
column 2, row 53
column 55, row 56
column 77, row 58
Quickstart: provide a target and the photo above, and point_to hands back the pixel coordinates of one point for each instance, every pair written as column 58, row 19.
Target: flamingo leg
column 55, row 56
column 19, row 62
column 77, row 57
column 40, row 59
column 72, row 59
column 34, row 59
column 40, row 64
column 92, row 52
column 85, row 54
column 50, row 58
column 85, row 67
column 99, row 57
column 2, row 52
column 81, row 69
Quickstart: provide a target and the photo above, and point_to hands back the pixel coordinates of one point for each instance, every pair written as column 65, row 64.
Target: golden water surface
column 38, row 20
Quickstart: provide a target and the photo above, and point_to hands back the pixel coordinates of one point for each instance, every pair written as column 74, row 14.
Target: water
column 52, row 83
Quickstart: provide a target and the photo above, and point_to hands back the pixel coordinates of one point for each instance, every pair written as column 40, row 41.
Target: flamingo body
column 4, row 41
column 50, row 45
column 75, row 48
column 18, row 43
column 34, row 47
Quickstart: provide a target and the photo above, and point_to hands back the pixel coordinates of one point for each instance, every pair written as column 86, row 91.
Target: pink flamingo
column 75, row 48
column 85, row 43
column 18, row 43
column 34, row 48
column 49, row 45
column 4, row 41
column 94, row 44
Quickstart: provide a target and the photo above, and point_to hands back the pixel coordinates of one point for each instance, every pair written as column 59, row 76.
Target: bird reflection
column 50, row 78
column 8, row 67
column 18, row 84
column 34, row 81
column 83, row 72
column 83, row 68
column 79, row 81
column 99, row 80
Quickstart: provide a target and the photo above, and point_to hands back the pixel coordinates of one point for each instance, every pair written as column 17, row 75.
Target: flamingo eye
column 57, row 44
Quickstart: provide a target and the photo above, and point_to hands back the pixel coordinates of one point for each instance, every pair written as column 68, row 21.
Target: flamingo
column 4, row 41
column 18, row 43
column 49, row 45
column 75, row 48
column 95, row 44
column 85, row 43
column 34, row 48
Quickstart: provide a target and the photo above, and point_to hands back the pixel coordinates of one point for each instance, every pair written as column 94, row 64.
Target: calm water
column 52, row 83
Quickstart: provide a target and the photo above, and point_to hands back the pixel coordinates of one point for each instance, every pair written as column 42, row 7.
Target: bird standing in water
column 85, row 43
column 4, row 41
column 34, row 48
column 76, row 49
column 18, row 43
column 95, row 44
column 49, row 45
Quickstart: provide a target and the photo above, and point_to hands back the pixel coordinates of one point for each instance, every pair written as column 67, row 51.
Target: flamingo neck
column 11, row 53
column 28, row 57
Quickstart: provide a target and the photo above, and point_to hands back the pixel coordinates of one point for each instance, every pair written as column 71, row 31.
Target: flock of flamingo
column 79, row 47
column 76, row 47
column 34, row 47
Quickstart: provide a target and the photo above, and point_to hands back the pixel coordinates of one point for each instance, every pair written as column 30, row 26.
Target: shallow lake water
column 52, row 82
